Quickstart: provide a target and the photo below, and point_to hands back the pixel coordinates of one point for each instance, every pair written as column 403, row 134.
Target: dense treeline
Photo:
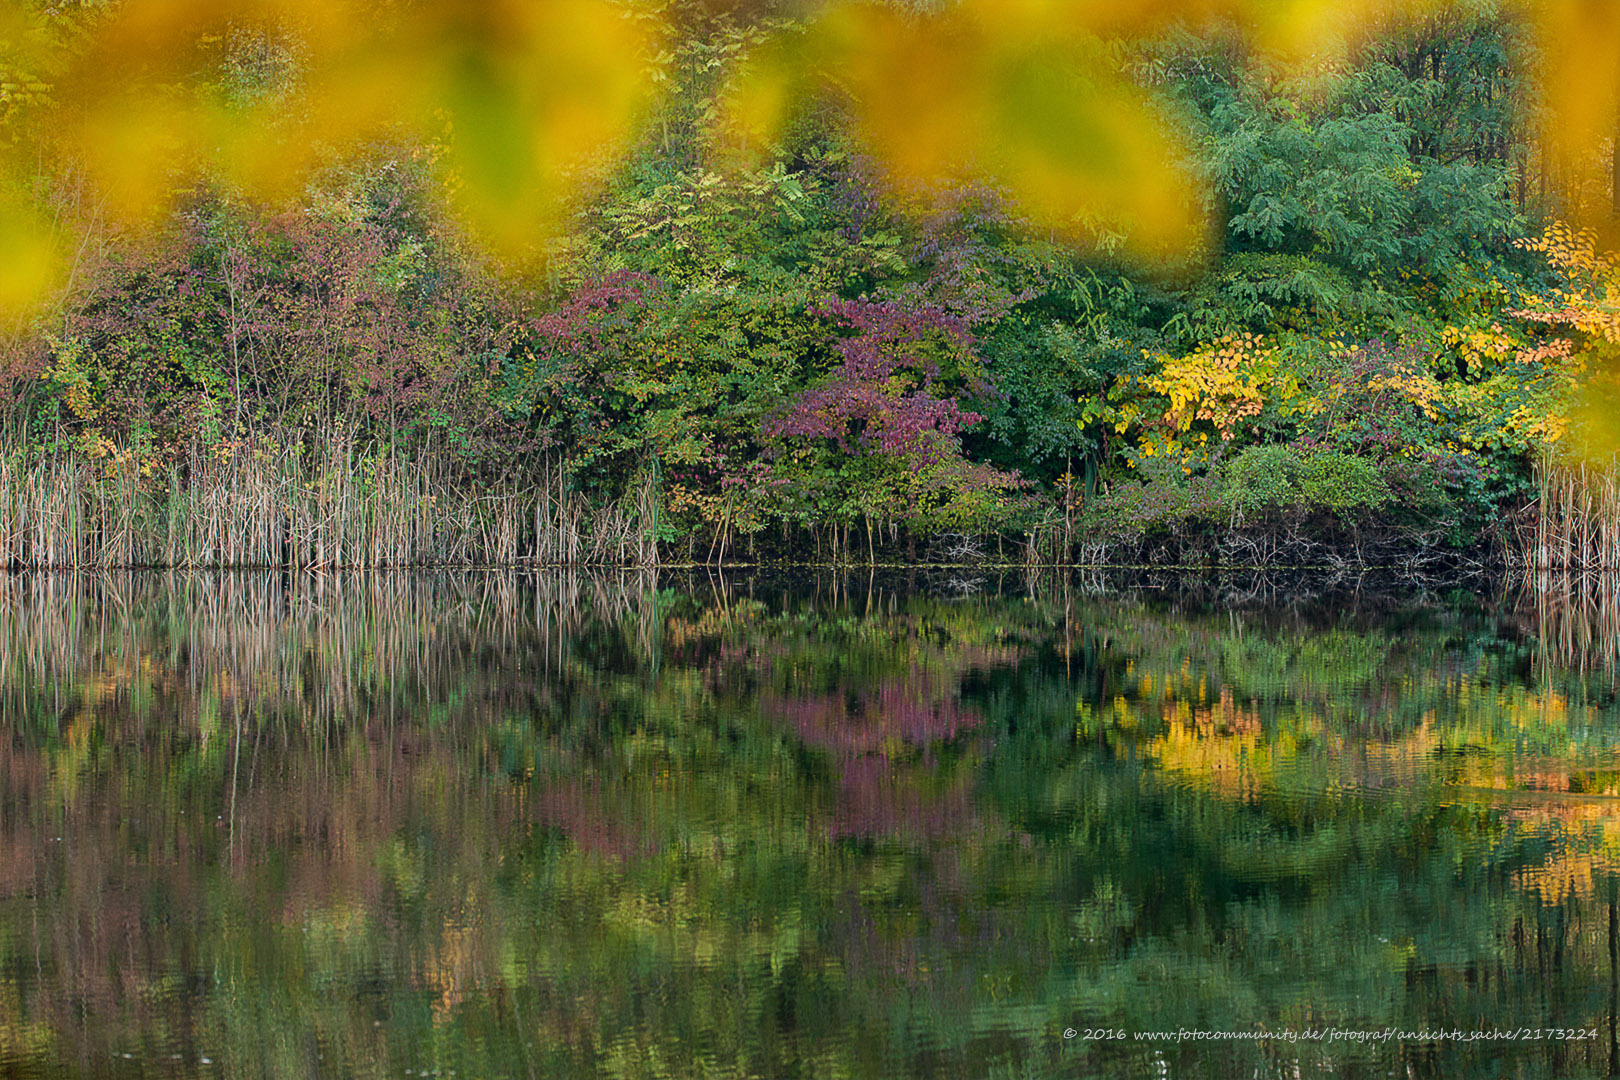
column 743, row 355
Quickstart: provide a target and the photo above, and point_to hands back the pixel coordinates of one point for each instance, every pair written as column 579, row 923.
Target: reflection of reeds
column 270, row 743
column 1575, row 617
column 285, row 505
column 325, row 646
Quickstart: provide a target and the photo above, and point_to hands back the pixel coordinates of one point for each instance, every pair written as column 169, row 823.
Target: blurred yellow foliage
column 518, row 95
column 1014, row 93
column 516, row 99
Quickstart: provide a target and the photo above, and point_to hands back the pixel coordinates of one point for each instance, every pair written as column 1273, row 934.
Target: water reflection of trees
column 555, row 826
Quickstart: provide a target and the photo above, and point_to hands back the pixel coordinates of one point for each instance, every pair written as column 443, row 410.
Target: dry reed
column 1577, row 524
column 285, row 506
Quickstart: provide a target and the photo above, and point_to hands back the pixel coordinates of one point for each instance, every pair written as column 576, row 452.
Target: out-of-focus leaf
column 518, row 93
column 134, row 147
column 1595, row 417
column 1305, row 33
column 515, row 95
column 30, row 259
column 1077, row 143
column 1580, row 78
column 532, row 92
column 1022, row 100
column 521, row 96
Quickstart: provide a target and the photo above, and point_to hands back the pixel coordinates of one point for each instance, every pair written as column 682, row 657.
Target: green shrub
column 1263, row 476
column 1287, row 477
column 1340, row 482
column 1132, row 508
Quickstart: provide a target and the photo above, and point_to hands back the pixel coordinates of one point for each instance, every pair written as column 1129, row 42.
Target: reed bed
column 569, row 532
column 1577, row 524
column 286, row 506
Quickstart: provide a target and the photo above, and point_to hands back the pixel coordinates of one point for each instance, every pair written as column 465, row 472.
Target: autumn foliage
column 650, row 279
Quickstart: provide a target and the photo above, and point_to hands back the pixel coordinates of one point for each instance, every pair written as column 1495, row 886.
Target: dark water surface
column 793, row 826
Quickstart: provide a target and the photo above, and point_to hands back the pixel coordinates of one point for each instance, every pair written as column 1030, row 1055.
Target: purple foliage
column 576, row 348
column 886, row 396
column 957, row 244
column 296, row 316
column 581, row 321
column 856, row 195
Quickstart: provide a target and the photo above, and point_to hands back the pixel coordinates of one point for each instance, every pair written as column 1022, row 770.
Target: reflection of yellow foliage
column 1222, row 746
column 1519, row 752
column 454, row 969
column 1568, row 873
column 1225, row 748
column 23, row 1040
column 1585, row 837
column 1235, row 765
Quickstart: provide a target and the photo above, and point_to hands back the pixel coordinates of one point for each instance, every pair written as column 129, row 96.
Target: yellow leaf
column 30, row 257
column 967, row 93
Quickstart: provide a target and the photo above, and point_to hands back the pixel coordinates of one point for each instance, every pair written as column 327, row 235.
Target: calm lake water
column 802, row 826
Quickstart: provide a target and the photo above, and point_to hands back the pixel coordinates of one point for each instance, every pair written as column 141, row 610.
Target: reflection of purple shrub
column 879, row 793
column 580, row 813
column 894, row 713
column 876, row 797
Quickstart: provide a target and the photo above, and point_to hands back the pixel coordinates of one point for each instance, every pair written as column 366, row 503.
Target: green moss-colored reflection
column 570, row 827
